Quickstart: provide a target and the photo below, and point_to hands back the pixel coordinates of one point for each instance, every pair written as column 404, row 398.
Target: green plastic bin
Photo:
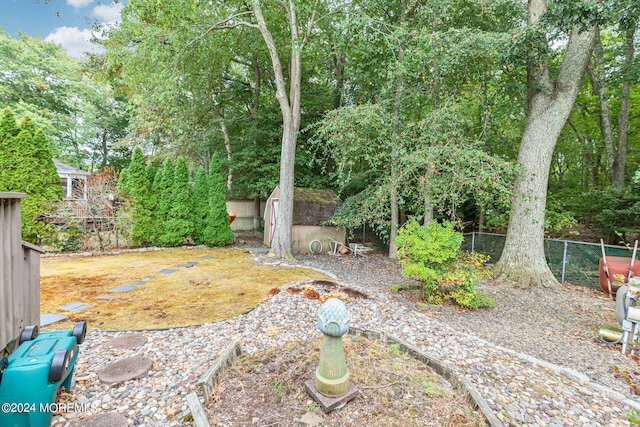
column 31, row 375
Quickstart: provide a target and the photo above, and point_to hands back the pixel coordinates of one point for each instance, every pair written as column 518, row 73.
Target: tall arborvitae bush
column 8, row 131
column 8, row 125
column 138, row 190
column 179, row 225
column 165, row 198
column 152, row 201
column 217, row 230
column 44, row 187
column 200, row 205
column 26, row 165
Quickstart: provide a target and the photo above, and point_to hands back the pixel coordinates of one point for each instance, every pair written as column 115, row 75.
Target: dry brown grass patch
column 224, row 286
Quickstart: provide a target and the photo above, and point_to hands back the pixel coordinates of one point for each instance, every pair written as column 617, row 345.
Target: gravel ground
column 534, row 356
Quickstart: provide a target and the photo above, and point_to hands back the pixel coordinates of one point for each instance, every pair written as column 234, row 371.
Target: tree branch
column 310, row 26
column 219, row 25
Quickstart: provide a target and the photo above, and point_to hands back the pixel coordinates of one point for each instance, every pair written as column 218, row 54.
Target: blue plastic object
column 35, row 371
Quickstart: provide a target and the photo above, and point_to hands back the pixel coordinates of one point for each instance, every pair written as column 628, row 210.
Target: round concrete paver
column 125, row 369
column 126, row 341
column 104, row 419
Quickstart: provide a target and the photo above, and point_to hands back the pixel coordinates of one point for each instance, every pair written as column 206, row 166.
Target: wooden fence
column 19, row 275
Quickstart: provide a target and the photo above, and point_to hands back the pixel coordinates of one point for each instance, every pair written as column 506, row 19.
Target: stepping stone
column 188, row 264
column 206, row 256
column 149, row 277
column 103, row 419
column 106, row 297
column 125, row 369
column 167, row 271
column 139, row 283
column 72, row 306
column 76, row 306
column 122, row 289
column 47, row 319
column 258, row 250
column 126, row 341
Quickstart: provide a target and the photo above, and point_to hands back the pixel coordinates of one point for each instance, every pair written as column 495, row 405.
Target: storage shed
column 311, row 208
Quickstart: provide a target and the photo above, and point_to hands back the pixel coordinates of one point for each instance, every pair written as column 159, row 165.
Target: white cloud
column 74, row 40
column 79, row 3
column 77, row 41
column 108, row 14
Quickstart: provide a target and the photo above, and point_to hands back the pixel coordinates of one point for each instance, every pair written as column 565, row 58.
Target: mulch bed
column 267, row 389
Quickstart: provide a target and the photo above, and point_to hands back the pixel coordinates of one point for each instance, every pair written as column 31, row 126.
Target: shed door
column 272, row 220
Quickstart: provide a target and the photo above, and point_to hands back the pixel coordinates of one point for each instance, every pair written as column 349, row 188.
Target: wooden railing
column 19, row 275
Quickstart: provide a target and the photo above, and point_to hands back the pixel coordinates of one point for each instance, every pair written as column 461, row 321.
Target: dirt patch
column 223, row 285
column 267, row 388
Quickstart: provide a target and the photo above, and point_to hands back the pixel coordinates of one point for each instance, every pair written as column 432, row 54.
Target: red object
column 232, row 216
column 616, row 265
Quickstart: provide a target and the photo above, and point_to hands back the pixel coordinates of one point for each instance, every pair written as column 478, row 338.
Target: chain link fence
column 573, row 262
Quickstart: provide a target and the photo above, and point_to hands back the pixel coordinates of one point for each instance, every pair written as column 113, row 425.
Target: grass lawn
column 218, row 288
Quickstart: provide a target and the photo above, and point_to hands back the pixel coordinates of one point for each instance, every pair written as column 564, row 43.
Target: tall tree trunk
column 623, row 113
column 227, row 146
column 338, row 72
column 255, row 108
column 523, row 260
column 435, row 105
column 587, row 153
column 598, row 79
column 290, row 108
column 104, row 146
column 393, row 232
column 616, row 153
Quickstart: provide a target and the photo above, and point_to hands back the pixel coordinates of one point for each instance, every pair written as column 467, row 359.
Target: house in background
column 311, row 208
column 73, row 180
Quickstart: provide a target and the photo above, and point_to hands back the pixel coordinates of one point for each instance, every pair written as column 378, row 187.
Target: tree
column 164, row 192
column 290, row 108
column 138, row 191
column 200, row 205
column 99, row 206
column 433, row 158
column 81, row 116
column 619, row 79
column 26, row 165
column 179, row 223
column 549, row 104
column 217, row 230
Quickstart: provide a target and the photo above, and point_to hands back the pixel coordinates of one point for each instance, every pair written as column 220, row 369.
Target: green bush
column 459, row 283
column 179, row 224
column 217, row 230
column 71, row 240
column 26, row 165
column 432, row 255
column 137, row 188
column 200, row 205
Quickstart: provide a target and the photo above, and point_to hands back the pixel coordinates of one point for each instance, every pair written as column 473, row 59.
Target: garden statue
column 332, row 374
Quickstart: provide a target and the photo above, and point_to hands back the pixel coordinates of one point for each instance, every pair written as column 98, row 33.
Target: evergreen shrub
column 432, row 255
column 217, row 230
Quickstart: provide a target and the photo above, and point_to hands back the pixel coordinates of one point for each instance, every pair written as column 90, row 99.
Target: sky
column 64, row 22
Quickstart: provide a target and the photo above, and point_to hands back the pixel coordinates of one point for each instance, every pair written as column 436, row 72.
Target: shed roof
column 311, row 206
column 64, row 169
column 314, row 195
